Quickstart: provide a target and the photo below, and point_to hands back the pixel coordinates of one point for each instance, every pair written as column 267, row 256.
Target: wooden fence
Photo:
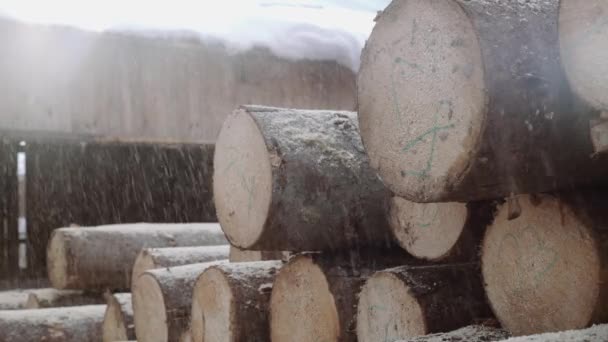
column 87, row 183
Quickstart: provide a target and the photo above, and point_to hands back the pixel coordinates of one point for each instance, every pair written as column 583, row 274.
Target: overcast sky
column 315, row 29
column 198, row 15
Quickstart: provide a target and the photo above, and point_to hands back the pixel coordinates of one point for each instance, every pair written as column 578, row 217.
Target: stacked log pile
column 300, row 181
column 85, row 262
column 103, row 257
column 69, row 324
column 118, row 322
column 484, row 119
column 474, row 128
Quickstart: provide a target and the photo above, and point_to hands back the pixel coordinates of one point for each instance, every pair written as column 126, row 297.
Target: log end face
column 214, row 306
column 422, row 98
column 583, row 31
column 149, row 310
column 57, row 261
column 541, row 267
column 387, row 312
column 427, row 231
column 113, row 323
column 32, row 302
column 302, row 307
column 143, row 262
column 197, row 322
column 242, row 179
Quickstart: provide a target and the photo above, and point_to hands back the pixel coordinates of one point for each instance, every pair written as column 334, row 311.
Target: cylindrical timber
column 297, row 180
column 118, row 324
column 67, row 324
column 103, row 257
column 241, row 255
column 583, row 33
column 405, row 302
column 231, row 302
column 545, row 262
column 440, row 231
column 162, row 301
column 53, row 298
column 467, row 100
column 152, row 258
column 314, row 296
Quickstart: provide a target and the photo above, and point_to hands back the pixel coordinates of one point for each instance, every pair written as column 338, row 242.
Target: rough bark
column 162, row 301
column 103, row 257
column 241, row 255
column 152, row 258
column 544, row 262
column 231, row 302
column 405, row 302
column 473, row 333
column 118, row 321
column 272, row 163
column 53, row 298
column 467, row 100
column 598, row 333
column 448, row 232
column 314, row 297
column 69, row 324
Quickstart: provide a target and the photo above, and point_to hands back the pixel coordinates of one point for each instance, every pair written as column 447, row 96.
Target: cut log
column 583, row 32
column 118, row 324
column 544, row 263
column 314, row 296
column 152, row 258
column 241, row 255
column 406, row 302
column 103, row 257
column 473, row 333
column 162, row 301
column 294, row 180
column 467, row 100
column 53, row 298
column 69, row 324
column 230, row 302
column 599, row 134
column 440, row 231
column 598, row 333
column 14, row 300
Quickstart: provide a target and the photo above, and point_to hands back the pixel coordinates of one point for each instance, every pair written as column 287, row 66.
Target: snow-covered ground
column 295, row 29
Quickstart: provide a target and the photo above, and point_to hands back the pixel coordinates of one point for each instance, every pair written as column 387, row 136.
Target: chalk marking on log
column 433, row 144
column 414, row 31
column 230, row 165
column 541, row 247
column 432, row 220
column 397, row 62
